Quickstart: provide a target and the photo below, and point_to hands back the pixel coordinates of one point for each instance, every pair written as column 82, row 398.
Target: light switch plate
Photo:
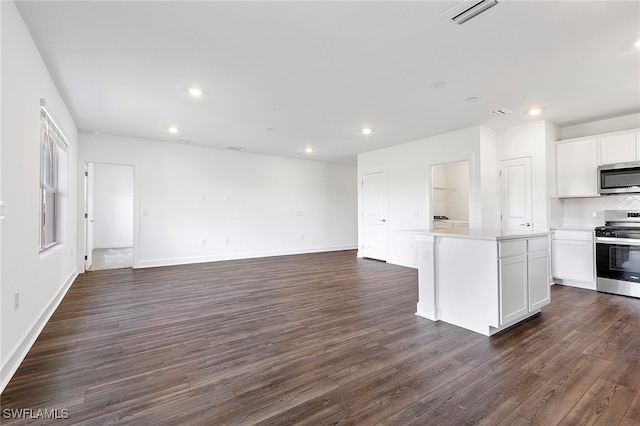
column 2, row 208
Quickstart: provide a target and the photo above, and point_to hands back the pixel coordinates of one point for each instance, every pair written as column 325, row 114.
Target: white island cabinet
column 484, row 281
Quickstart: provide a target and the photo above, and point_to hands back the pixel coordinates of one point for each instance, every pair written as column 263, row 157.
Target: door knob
column 383, row 220
column 525, row 224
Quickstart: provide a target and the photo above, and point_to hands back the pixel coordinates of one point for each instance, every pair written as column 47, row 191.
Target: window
column 53, row 179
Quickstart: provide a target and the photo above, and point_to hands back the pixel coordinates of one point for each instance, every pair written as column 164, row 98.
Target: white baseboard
column 429, row 312
column 236, row 256
column 402, row 262
column 579, row 284
column 14, row 360
column 113, row 245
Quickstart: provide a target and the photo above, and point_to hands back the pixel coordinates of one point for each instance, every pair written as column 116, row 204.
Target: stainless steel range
column 618, row 253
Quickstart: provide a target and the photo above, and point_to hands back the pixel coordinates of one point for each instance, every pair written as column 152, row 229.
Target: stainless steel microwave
column 621, row 178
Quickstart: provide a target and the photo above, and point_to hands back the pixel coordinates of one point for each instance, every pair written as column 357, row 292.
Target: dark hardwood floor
column 319, row 339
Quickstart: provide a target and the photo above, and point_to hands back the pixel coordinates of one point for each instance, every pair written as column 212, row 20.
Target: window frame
column 52, row 141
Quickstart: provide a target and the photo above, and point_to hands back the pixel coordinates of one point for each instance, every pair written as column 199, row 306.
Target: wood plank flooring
column 324, row 339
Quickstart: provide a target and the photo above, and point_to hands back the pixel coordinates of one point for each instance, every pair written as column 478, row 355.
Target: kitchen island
column 482, row 280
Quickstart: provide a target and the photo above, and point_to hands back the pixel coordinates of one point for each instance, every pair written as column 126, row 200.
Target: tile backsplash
column 589, row 211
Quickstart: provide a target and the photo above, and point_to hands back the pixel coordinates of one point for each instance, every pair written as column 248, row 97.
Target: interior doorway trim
column 473, row 209
column 82, row 204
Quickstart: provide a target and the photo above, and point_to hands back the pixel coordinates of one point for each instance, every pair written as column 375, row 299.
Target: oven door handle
column 618, row 241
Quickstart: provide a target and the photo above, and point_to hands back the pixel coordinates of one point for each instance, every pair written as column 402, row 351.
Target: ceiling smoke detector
column 501, row 111
column 469, row 9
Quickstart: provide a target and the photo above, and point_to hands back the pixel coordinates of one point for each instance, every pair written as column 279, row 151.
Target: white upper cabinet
column 577, row 168
column 578, row 160
column 618, row 148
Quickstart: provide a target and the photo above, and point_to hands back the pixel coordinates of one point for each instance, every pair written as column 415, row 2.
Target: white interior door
column 88, row 197
column 375, row 215
column 517, row 194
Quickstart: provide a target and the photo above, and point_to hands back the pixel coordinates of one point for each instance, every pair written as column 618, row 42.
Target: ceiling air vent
column 235, row 148
column 469, row 9
column 501, row 111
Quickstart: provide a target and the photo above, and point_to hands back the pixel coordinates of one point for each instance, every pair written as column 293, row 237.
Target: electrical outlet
column 204, row 242
column 16, row 300
column 302, row 237
column 226, row 240
column 300, row 213
column 204, row 197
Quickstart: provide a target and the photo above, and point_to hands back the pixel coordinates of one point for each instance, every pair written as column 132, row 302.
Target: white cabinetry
column 577, row 168
column 524, row 278
column 618, row 148
column 578, row 160
column 480, row 280
column 573, row 261
column 513, row 288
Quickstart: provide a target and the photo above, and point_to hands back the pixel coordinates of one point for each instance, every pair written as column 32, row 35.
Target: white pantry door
column 375, row 215
column 517, row 194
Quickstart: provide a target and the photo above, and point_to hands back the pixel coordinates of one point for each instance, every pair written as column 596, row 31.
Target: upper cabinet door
column 577, row 168
column 618, row 148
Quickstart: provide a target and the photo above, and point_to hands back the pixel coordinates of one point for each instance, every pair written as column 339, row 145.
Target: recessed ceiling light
column 534, row 112
column 173, row 129
column 308, row 150
column 366, row 130
column 195, row 91
column 638, row 44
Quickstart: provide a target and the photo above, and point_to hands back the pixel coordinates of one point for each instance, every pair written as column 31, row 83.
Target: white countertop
column 476, row 234
column 572, row 228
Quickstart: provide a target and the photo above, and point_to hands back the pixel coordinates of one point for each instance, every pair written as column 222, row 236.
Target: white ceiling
column 281, row 76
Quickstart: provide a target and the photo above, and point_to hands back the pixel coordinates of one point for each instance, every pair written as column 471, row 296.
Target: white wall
column 41, row 280
column 409, row 167
column 625, row 122
column 243, row 205
column 113, row 205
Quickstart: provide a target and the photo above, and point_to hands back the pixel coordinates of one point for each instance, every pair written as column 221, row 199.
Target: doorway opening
column 450, row 195
column 109, row 207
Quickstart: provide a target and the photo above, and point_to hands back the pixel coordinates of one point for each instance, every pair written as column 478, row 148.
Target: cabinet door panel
column 577, row 165
column 618, row 148
column 539, row 280
column 513, row 288
column 573, row 260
